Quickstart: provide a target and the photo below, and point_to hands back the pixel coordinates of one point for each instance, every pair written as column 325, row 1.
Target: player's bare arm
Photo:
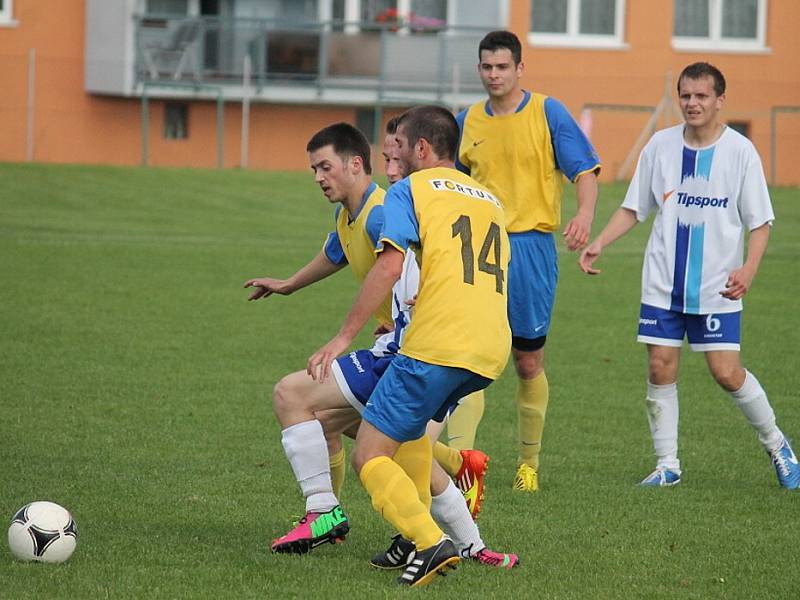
column 376, row 287
column 620, row 223
column 319, row 268
column 740, row 280
column 576, row 233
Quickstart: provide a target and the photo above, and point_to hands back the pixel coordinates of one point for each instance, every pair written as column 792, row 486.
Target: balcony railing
column 387, row 60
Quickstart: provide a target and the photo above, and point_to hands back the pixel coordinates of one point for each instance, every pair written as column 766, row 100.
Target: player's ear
column 422, row 148
column 520, row 68
column 357, row 164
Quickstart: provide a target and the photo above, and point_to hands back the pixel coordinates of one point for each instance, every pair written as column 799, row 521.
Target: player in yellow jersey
column 340, row 158
column 519, row 144
column 339, row 155
column 459, row 339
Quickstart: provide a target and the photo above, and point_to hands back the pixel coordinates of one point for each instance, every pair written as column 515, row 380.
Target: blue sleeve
column 375, row 224
column 333, row 245
column 460, row 118
column 573, row 150
column 400, row 228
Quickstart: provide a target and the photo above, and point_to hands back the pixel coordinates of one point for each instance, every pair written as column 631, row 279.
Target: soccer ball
column 42, row 531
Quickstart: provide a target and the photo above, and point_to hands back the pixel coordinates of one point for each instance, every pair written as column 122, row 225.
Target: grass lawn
column 135, row 383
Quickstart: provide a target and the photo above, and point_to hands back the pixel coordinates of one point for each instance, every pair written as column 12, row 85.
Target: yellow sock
column 395, row 498
column 338, row 470
column 414, row 458
column 449, row 458
column 463, row 423
column 532, row 397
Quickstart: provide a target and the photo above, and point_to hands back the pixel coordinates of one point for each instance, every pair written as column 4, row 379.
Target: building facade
column 245, row 83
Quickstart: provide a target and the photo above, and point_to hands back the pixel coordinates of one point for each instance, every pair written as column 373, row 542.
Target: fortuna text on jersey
column 466, row 190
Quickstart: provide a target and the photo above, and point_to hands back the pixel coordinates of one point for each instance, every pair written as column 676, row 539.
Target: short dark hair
column 699, row 70
column 433, row 123
column 391, row 126
column 499, row 40
column 347, row 142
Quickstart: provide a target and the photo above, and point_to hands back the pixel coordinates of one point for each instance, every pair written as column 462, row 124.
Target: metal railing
column 385, row 59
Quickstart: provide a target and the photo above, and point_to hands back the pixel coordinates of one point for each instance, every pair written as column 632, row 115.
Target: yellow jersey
column 354, row 240
column 457, row 229
column 521, row 156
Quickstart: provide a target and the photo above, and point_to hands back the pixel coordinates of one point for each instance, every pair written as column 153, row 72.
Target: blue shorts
column 358, row 373
column 532, row 278
column 413, row 392
column 661, row 327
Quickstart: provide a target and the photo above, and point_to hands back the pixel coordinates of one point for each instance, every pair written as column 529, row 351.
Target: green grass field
column 136, row 384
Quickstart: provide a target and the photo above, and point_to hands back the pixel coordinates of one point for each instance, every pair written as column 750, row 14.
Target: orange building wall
column 73, row 126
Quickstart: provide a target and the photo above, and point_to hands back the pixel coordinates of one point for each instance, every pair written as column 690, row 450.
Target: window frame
column 7, row 14
column 574, row 39
column 174, row 109
column 715, row 42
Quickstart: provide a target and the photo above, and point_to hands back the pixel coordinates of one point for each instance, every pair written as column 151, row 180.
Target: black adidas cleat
column 425, row 565
column 396, row 556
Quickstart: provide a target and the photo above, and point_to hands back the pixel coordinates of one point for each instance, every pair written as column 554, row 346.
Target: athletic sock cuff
column 751, row 388
column 662, row 392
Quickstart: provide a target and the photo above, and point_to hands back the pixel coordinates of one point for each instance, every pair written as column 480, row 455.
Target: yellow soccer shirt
column 521, row 156
column 354, row 241
column 460, row 317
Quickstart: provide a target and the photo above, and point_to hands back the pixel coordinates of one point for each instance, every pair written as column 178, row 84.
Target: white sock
column 662, row 414
column 307, row 452
column 752, row 401
column 450, row 512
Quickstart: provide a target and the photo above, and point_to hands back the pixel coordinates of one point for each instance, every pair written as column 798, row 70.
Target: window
column 742, row 127
column 176, row 120
column 7, row 12
column 577, row 23
column 726, row 25
column 418, row 15
column 379, row 10
column 176, row 8
column 365, row 122
column 428, row 14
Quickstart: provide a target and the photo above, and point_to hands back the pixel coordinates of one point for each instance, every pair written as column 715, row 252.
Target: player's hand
column 738, row 284
column 590, row 254
column 412, row 302
column 319, row 365
column 266, row 286
column 576, row 233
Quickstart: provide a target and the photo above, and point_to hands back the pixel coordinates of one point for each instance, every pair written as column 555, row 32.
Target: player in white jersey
column 706, row 185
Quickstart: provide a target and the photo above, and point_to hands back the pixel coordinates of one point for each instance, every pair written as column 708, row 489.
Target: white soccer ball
column 42, row 531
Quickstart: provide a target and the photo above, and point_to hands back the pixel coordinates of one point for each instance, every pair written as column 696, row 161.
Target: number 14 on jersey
column 462, row 227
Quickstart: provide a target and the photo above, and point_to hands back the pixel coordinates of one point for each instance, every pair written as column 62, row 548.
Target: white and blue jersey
column 704, row 198
column 358, row 372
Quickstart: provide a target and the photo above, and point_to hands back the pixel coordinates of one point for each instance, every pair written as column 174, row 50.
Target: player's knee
column 529, row 364
column 282, row 396
column 358, row 459
column 728, row 376
column 661, row 370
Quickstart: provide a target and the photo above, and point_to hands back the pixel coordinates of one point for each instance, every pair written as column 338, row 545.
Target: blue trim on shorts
column 532, row 279
column 361, row 371
column 412, row 392
column 700, row 330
